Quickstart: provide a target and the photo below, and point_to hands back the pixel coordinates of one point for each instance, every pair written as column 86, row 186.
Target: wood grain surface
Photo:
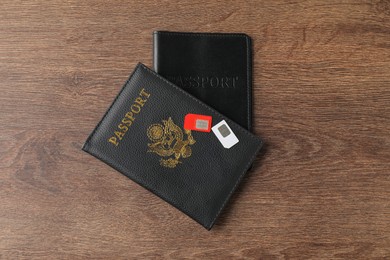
column 319, row 190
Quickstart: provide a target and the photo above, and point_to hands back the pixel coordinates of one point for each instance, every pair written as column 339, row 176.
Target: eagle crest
column 168, row 140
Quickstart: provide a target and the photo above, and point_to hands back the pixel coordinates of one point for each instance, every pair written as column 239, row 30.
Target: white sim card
column 224, row 134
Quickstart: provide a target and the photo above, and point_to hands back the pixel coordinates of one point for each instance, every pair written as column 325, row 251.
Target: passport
column 142, row 136
column 216, row 68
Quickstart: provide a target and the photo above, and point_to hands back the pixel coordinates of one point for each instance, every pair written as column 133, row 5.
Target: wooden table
column 320, row 188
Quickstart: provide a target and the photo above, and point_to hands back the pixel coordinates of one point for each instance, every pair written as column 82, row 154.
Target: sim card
column 196, row 122
column 225, row 134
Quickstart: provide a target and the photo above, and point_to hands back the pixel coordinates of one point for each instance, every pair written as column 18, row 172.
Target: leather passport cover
column 142, row 136
column 214, row 67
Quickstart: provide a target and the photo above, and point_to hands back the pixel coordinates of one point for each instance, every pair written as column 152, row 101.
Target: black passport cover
column 141, row 135
column 214, row 67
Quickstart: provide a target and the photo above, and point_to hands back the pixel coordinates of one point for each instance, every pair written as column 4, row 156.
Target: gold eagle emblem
column 168, row 141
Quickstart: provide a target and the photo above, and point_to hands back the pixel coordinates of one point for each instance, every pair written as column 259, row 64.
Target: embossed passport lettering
column 142, row 135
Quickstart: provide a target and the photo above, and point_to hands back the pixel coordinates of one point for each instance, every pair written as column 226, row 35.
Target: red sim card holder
column 197, row 122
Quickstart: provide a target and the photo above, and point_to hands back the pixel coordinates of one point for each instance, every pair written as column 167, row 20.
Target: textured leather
column 201, row 184
column 214, row 67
